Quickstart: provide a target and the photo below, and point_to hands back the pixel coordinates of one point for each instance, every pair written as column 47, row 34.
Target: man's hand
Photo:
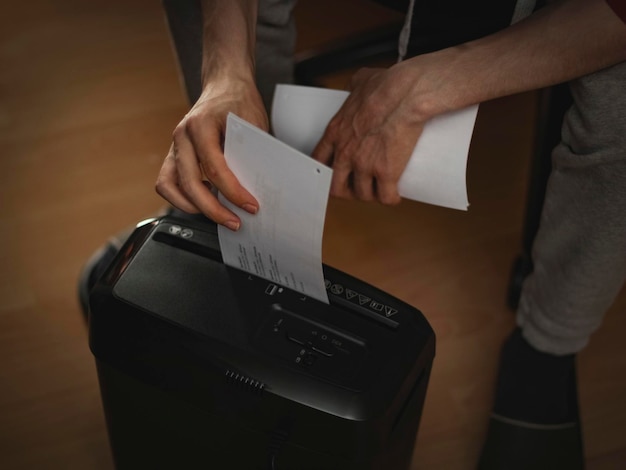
column 195, row 162
column 369, row 141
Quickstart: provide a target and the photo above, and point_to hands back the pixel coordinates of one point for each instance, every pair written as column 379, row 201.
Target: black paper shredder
column 203, row 366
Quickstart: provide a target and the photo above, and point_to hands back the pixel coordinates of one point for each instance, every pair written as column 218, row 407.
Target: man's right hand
column 195, row 163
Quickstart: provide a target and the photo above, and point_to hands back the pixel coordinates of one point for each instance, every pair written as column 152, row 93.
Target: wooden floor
column 89, row 96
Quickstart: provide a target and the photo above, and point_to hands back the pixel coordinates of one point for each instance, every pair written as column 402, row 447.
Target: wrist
column 450, row 79
column 432, row 85
column 226, row 69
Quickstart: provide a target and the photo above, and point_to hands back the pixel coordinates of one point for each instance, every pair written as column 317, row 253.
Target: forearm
column 565, row 40
column 228, row 39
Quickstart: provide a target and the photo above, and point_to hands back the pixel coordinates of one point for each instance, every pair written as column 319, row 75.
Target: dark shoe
column 516, row 445
column 535, row 424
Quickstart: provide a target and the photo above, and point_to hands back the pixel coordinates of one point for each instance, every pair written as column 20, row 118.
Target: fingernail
column 250, row 208
column 231, row 224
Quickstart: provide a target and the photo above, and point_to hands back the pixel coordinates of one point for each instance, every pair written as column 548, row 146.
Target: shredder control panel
column 317, row 348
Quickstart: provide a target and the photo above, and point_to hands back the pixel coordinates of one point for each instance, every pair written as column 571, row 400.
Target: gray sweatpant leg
column 275, row 44
column 579, row 253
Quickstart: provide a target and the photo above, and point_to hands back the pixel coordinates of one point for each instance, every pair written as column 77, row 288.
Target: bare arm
column 565, row 40
column 369, row 141
column 196, row 155
column 229, row 28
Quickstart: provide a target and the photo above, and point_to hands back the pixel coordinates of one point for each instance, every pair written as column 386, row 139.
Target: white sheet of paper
column 436, row 172
column 283, row 241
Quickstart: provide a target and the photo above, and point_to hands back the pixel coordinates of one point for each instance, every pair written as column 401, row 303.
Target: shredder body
column 204, row 366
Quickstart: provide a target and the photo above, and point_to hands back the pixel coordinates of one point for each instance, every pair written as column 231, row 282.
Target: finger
column 211, row 158
column 191, row 183
column 388, row 175
column 387, row 192
column 363, row 158
column 323, row 151
column 167, row 186
column 341, row 184
column 364, row 184
column 210, row 187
